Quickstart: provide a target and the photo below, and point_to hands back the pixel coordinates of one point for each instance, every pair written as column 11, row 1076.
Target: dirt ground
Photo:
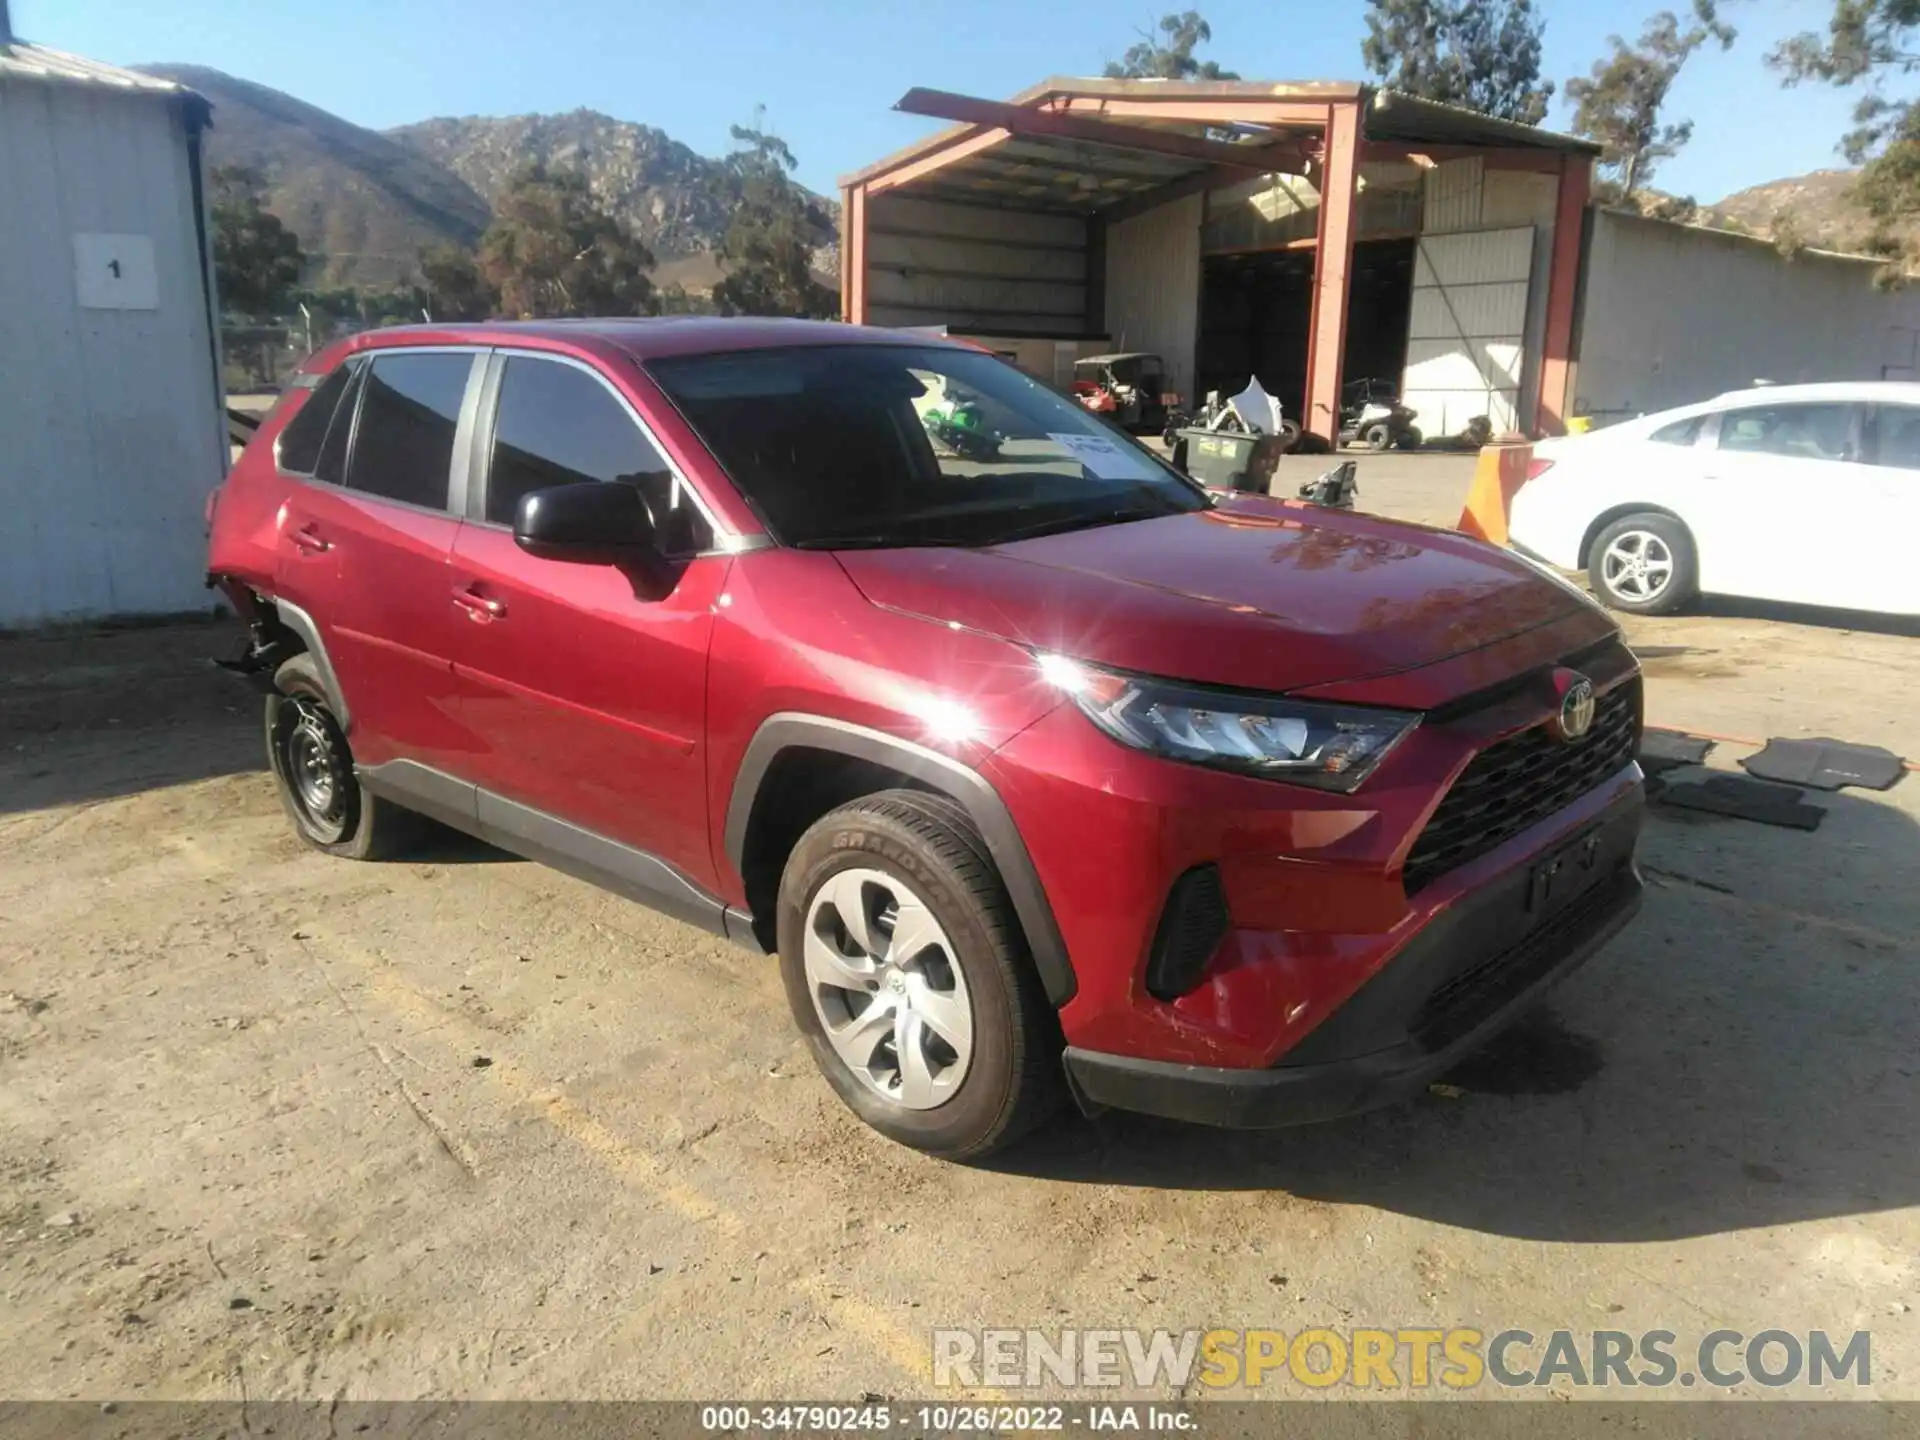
column 278, row 1125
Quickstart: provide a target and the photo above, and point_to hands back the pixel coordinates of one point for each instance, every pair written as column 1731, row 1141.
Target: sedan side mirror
column 593, row 522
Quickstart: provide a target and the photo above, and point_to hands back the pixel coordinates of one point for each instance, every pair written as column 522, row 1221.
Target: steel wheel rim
column 316, row 769
column 888, row 989
column 1637, row 566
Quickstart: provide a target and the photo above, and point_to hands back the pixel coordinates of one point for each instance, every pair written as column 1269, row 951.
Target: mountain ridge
column 365, row 202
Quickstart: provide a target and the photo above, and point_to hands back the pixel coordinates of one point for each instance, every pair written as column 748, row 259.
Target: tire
column 1377, row 437
column 330, row 809
column 1666, row 580
column 1410, row 439
column 985, row 1064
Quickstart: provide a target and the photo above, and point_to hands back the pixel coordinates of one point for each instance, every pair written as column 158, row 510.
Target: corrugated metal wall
column 1466, row 336
column 111, row 431
column 1464, row 197
column 1153, row 285
column 1453, row 193
column 1675, row 314
column 972, row 267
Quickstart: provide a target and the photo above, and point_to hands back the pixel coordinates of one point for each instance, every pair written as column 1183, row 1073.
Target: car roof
column 1902, row 392
column 1118, row 355
column 646, row 337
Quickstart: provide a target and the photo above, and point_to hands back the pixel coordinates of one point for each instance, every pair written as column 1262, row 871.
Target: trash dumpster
column 1229, row 459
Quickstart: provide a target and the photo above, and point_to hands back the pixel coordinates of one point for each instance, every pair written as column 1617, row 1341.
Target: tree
column 257, row 260
column 1871, row 42
column 1169, row 57
column 456, row 290
column 772, row 229
column 551, row 250
column 1619, row 102
column 1482, row 54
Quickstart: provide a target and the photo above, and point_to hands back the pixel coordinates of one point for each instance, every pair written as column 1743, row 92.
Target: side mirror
column 593, row 523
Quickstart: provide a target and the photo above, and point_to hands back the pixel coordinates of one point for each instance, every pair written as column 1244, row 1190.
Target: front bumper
column 1468, row 974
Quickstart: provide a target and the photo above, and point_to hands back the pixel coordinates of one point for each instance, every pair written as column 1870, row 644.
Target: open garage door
column 1467, row 337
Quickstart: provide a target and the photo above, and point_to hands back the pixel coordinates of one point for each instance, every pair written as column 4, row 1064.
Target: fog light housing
column 1191, row 928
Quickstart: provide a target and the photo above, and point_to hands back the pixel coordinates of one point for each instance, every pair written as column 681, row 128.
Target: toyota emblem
column 1576, row 706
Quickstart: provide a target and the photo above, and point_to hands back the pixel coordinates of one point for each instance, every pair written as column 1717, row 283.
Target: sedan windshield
column 850, row 446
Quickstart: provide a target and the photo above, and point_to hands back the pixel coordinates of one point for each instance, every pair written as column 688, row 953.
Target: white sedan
column 1802, row 493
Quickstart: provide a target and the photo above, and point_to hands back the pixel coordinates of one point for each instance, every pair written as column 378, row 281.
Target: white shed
column 111, row 416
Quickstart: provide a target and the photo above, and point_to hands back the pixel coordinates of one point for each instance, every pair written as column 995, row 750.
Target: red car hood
column 1262, row 594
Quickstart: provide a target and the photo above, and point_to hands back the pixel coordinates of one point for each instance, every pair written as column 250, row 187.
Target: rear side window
column 1798, row 432
column 1679, row 432
column 299, row 449
column 403, row 443
column 1897, row 437
column 558, row 425
column 332, row 465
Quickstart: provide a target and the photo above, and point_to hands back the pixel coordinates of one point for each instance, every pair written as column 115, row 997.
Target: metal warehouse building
column 1315, row 234
column 110, row 407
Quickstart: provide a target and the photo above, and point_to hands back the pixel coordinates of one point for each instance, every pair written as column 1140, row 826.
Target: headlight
column 1330, row 747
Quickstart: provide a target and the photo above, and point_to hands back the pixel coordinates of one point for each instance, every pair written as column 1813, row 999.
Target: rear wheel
column 904, row 969
column 1409, row 439
column 313, row 770
column 1644, row 565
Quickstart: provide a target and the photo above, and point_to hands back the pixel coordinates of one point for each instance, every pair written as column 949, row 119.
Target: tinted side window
column 557, row 425
column 1680, row 432
column 1800, row 432
column 299, row 449
column 403, row 445
column 1897, row 437
column 332, row 464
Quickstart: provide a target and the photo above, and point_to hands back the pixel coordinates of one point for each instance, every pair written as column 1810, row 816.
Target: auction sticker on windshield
column 1104, row 458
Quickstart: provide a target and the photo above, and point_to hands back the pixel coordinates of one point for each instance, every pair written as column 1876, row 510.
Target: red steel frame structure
column 1324, row 125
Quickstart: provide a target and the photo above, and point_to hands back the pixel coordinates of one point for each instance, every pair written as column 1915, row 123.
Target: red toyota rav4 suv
column 1041, row 768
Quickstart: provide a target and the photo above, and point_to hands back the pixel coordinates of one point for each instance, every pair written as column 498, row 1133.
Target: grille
column 1521, row 781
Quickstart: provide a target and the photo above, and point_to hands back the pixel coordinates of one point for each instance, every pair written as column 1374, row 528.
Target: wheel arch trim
column 302, row 624
column 791, row 730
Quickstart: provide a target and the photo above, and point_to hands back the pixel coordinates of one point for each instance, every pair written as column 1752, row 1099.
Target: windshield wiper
column 1061, row 524
column 876, row 540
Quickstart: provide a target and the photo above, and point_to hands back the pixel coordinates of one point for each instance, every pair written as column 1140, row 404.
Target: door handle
column 311, row 540
column 480, row 607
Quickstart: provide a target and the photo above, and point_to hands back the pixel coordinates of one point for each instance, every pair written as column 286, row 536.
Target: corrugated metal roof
column 36, row 62
column 1388, row 115
column 1397, row 116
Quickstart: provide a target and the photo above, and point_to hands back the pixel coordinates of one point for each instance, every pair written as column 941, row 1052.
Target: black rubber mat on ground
column 1825, row 764
column 1744, row 800
column 1670, row 749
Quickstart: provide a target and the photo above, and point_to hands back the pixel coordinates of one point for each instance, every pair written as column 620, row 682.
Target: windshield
column 849, row 446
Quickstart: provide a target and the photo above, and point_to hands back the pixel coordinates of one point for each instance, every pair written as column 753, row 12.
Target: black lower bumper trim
column 1495, row 985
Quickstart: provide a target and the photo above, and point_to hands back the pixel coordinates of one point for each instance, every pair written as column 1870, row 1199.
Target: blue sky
column 828, row 71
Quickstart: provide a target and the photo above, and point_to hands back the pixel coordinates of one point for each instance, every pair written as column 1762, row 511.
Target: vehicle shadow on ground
column 89, row 715
column 1819, row 616
column 1742, row 1056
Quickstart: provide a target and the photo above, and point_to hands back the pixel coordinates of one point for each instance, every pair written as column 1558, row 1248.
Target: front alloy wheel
column 887, row 990
column 906, row 971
